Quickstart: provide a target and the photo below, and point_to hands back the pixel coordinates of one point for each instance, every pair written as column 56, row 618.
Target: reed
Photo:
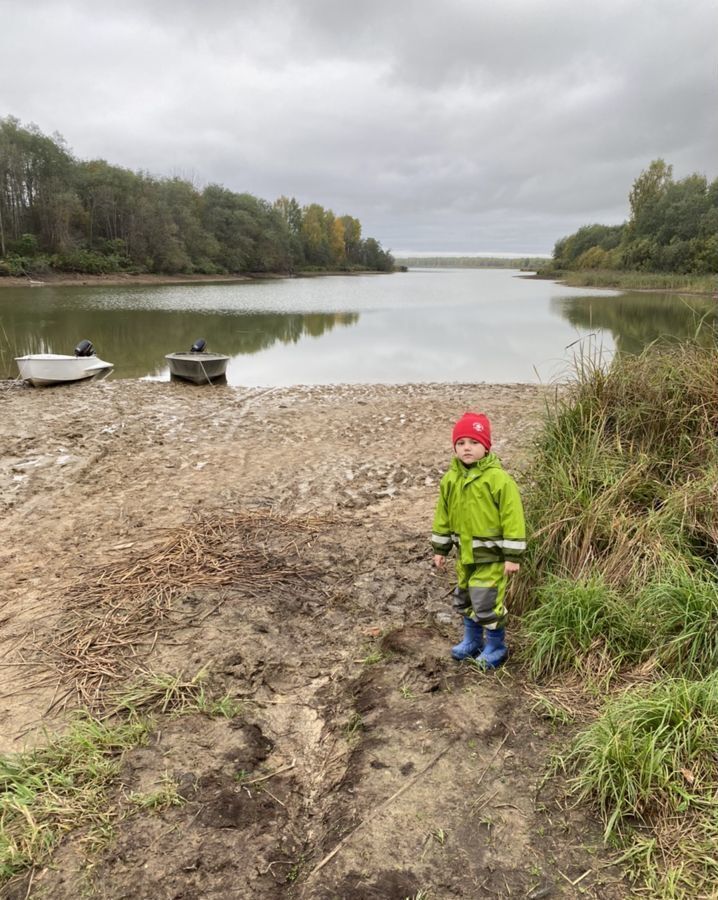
column 622, row 584
column 637, row 281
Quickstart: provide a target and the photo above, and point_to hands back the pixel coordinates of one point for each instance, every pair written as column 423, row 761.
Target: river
column 425, row 325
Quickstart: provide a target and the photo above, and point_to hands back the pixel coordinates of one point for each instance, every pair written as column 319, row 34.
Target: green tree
column 647, row 191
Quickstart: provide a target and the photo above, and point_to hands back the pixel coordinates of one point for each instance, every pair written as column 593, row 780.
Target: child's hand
column 439, row 561
column 510, row 567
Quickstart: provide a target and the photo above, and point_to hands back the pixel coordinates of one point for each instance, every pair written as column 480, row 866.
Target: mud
column 363, row 762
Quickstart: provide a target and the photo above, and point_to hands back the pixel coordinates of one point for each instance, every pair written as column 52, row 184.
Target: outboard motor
column 85, row 348
column 198, row 346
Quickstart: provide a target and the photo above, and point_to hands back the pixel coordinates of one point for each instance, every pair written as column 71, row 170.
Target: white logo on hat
column 477, row 426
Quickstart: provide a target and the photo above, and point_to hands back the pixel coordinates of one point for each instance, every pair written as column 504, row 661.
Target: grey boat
column 197, row 364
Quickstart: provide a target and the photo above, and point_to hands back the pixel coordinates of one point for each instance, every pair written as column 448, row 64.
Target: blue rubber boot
column 472, row 642
column 495, row 650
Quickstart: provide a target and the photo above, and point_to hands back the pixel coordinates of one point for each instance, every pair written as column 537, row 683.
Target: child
column 480, row 512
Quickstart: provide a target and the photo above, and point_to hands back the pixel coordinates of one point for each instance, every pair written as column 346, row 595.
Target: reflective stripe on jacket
column 479, row 511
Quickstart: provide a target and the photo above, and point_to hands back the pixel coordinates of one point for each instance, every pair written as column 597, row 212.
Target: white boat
column 43, row 369
column 198, row 365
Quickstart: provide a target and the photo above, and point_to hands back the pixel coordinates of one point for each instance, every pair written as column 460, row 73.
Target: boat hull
column 45, row 369
column 199, row 368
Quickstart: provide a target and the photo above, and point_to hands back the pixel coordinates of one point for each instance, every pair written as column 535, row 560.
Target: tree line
column 69, row 215
column 673, row 227
column 472, row 262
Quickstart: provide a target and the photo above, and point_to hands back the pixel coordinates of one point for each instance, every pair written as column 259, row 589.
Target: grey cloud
column 463, row 125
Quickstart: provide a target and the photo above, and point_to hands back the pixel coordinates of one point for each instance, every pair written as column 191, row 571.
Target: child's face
column 469, row 451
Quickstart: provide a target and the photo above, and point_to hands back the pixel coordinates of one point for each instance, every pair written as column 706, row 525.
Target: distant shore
column 651, row 282
column 67, row 278
column 61, row 279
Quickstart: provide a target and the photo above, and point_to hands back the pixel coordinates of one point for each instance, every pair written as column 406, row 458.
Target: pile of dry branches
column 114, row 614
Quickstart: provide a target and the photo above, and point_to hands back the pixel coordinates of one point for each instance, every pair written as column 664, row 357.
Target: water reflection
column 136, row 342
column 636, row 320
column 426, row 325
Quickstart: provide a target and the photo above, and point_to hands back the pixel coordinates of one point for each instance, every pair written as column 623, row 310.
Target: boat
column 44, row 369
column 198, row 364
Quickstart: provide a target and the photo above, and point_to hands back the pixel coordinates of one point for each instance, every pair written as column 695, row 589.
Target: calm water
column 467, row 325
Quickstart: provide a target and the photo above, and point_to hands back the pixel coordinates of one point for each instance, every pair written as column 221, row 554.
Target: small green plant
column 296, row 870
column 373, row 657
column 439, row 835
column 166, row 795
column 406, row 692
column 556, row 714
column 226, row 707
column 354, row 726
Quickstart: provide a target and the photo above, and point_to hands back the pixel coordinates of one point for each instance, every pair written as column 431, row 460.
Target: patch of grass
column 373, row 657
column 681, row 615
column 577, row 620
column 47, row 792
column 554, row 713
column 623, row 506
column 640, row 281
column 619, row 474
column 353, row 727
column 650, row 759
column 165, row 796
column 177, row 694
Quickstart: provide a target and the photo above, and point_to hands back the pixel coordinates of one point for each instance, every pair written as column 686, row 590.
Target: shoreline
column 615, row 286
column 68, row 279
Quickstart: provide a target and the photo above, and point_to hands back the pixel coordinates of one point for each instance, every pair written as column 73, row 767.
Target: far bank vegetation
column 670, row 241
column 62, row 214
column 472, row 262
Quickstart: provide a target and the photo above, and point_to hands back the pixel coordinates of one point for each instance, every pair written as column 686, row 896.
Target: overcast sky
column 443, row 125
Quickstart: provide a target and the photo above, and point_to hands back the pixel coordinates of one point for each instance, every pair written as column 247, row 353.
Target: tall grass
column 622, row 469
column 577, row 621
column 623, row 511
column 637, row 281
column 652, row 752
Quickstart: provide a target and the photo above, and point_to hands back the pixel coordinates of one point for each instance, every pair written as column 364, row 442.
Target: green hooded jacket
column 479, row 511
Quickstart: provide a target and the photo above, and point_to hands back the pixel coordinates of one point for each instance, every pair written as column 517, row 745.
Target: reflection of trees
column 136, row 340
column 637, row 319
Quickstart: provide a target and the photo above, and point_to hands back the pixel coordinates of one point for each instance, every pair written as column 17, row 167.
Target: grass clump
column 623, row 513
column 166, row 795
column 160, row 692
column 650, row 753
column 576, row 620
column 47, row 792
column 680, row 612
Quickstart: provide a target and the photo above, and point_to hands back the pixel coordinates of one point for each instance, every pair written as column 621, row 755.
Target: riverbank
column 276, row 540
column 58, row 279
column 69, row 278
column 653, row 282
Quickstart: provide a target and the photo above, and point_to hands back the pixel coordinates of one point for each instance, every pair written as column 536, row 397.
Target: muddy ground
column 363, row 762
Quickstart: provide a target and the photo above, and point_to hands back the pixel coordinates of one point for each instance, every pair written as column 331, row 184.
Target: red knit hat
column 475, row 426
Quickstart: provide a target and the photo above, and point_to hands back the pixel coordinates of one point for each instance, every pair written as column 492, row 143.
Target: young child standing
column 480, row 513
